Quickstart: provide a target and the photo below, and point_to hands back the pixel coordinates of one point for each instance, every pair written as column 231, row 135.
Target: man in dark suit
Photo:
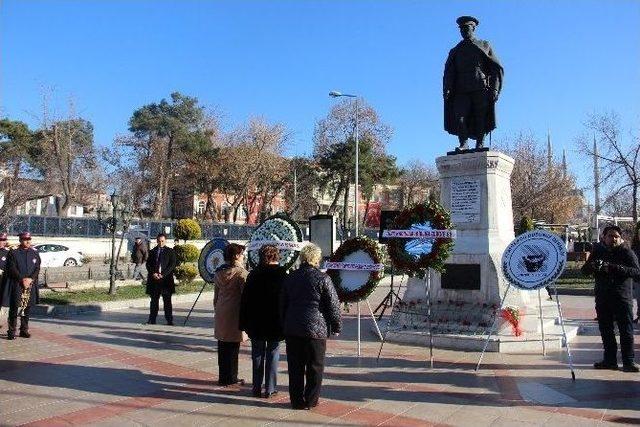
column 23, row 268
column 160, row 265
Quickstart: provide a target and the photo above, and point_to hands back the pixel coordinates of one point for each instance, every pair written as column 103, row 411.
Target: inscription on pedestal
column 461, row 277
column 465, row 200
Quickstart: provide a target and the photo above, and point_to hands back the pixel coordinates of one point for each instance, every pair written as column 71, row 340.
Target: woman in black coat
column 259, row 318
column 310, row 313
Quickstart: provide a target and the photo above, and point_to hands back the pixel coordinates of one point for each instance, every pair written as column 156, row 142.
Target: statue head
column 467, row 25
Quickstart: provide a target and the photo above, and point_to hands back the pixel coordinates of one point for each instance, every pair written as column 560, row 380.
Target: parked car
column 58, row 256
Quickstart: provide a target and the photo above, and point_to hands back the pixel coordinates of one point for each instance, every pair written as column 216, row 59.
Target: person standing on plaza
column 23, row 268
column 635, row 246
column 139, row 256
column 310, row 313
column 615, row 267
column 4, row 254
column 161, row 263
column 229, row 281
column 260, row 318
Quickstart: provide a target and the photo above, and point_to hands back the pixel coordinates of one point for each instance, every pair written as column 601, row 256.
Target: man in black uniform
column 471, row 85
column 614, row 267
column 23, row 267
column 4, row 253
column 160, row 265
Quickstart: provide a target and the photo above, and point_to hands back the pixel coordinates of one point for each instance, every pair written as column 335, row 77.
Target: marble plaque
column 465, row 200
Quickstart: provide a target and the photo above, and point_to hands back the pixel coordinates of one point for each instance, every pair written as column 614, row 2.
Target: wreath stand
column 375, row 323
column 387, row 301
column 564, row 333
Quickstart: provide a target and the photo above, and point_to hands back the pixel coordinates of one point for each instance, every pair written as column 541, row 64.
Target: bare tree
column 617, row 155
column 334, row 146
column 253, row 171
column 540, row 187
column 416, row 181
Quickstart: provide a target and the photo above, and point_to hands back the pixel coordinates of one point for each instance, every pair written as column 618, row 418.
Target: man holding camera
column 614, row 266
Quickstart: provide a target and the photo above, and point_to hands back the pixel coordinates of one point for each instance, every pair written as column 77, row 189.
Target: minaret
column 596, row 177
column 549, row 151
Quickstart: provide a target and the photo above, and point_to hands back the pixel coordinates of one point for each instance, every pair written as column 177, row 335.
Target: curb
column 73, row 309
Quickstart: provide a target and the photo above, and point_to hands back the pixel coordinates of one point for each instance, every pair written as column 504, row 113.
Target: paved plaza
column 109, row 369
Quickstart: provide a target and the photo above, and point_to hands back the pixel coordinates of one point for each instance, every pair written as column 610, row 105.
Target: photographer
column 614, row 266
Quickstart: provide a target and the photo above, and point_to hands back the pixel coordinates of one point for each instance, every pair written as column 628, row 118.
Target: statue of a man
column 471, row 86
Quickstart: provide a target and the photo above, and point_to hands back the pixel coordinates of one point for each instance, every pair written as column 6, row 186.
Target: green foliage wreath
column 419, row 213
column 374, row 250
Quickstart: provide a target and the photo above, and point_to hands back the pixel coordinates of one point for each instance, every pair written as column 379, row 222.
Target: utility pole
column 596, row 177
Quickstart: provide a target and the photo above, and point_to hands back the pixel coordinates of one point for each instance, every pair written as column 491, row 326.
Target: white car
column 58, row 256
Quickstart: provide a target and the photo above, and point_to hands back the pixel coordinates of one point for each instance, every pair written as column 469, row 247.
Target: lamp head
column 335, row 94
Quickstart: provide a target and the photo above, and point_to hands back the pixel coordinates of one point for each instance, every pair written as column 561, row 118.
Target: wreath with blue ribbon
column 417, row 255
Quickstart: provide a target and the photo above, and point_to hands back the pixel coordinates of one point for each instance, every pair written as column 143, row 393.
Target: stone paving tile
column 108, row 369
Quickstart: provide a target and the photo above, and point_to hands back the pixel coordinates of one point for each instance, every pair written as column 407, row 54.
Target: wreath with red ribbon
column 416, row 214
column 373, row 249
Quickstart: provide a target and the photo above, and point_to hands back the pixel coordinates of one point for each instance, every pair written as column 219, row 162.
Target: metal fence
column 91, row 227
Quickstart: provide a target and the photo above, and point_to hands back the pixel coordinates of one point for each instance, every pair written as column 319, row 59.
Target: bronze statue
column 471, row 85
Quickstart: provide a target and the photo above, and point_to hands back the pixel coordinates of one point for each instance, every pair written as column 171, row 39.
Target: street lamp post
column 356, row 210
column 120, row 218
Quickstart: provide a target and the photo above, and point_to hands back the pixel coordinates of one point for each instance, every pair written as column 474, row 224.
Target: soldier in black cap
column 23, row 267
column 471, row 85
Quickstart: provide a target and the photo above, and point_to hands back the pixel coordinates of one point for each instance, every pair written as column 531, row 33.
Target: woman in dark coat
column 310, row 313
column 260, row 319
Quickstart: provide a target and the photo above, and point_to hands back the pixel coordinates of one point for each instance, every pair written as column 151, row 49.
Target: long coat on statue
column 22, row 263
column 4, row 255
column 454, row 80
column 163, row 263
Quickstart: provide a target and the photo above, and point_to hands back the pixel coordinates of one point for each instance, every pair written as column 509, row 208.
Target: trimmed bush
column 526, row 224
column 187, row 229
column 186, row 273
column 186, row 253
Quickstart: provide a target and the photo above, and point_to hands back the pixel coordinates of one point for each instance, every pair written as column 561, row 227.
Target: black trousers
column 155, row 306
column 612, row 307
column 228, row 362
column 12, row 319
column 305, row 360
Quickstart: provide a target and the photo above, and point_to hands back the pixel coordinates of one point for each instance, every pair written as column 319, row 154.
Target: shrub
column 185, row 273
column 526, row 224
column 86, row 259
column 186, row 253
column 187, row 229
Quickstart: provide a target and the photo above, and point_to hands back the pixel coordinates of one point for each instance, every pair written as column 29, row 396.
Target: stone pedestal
column 476, row 188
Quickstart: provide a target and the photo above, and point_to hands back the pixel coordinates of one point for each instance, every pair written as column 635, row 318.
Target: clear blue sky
column 279, row 59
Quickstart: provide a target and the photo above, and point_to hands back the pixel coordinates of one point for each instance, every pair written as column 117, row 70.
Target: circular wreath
column 414, row 256
column 211, row 257
column 277, row 227
column 369, row 248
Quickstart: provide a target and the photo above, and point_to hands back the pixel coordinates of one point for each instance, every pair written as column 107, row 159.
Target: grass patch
column 122, row 293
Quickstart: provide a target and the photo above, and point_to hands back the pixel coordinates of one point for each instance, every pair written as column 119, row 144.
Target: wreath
column 277, row 227
column 354, row 286
column 416, row 255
